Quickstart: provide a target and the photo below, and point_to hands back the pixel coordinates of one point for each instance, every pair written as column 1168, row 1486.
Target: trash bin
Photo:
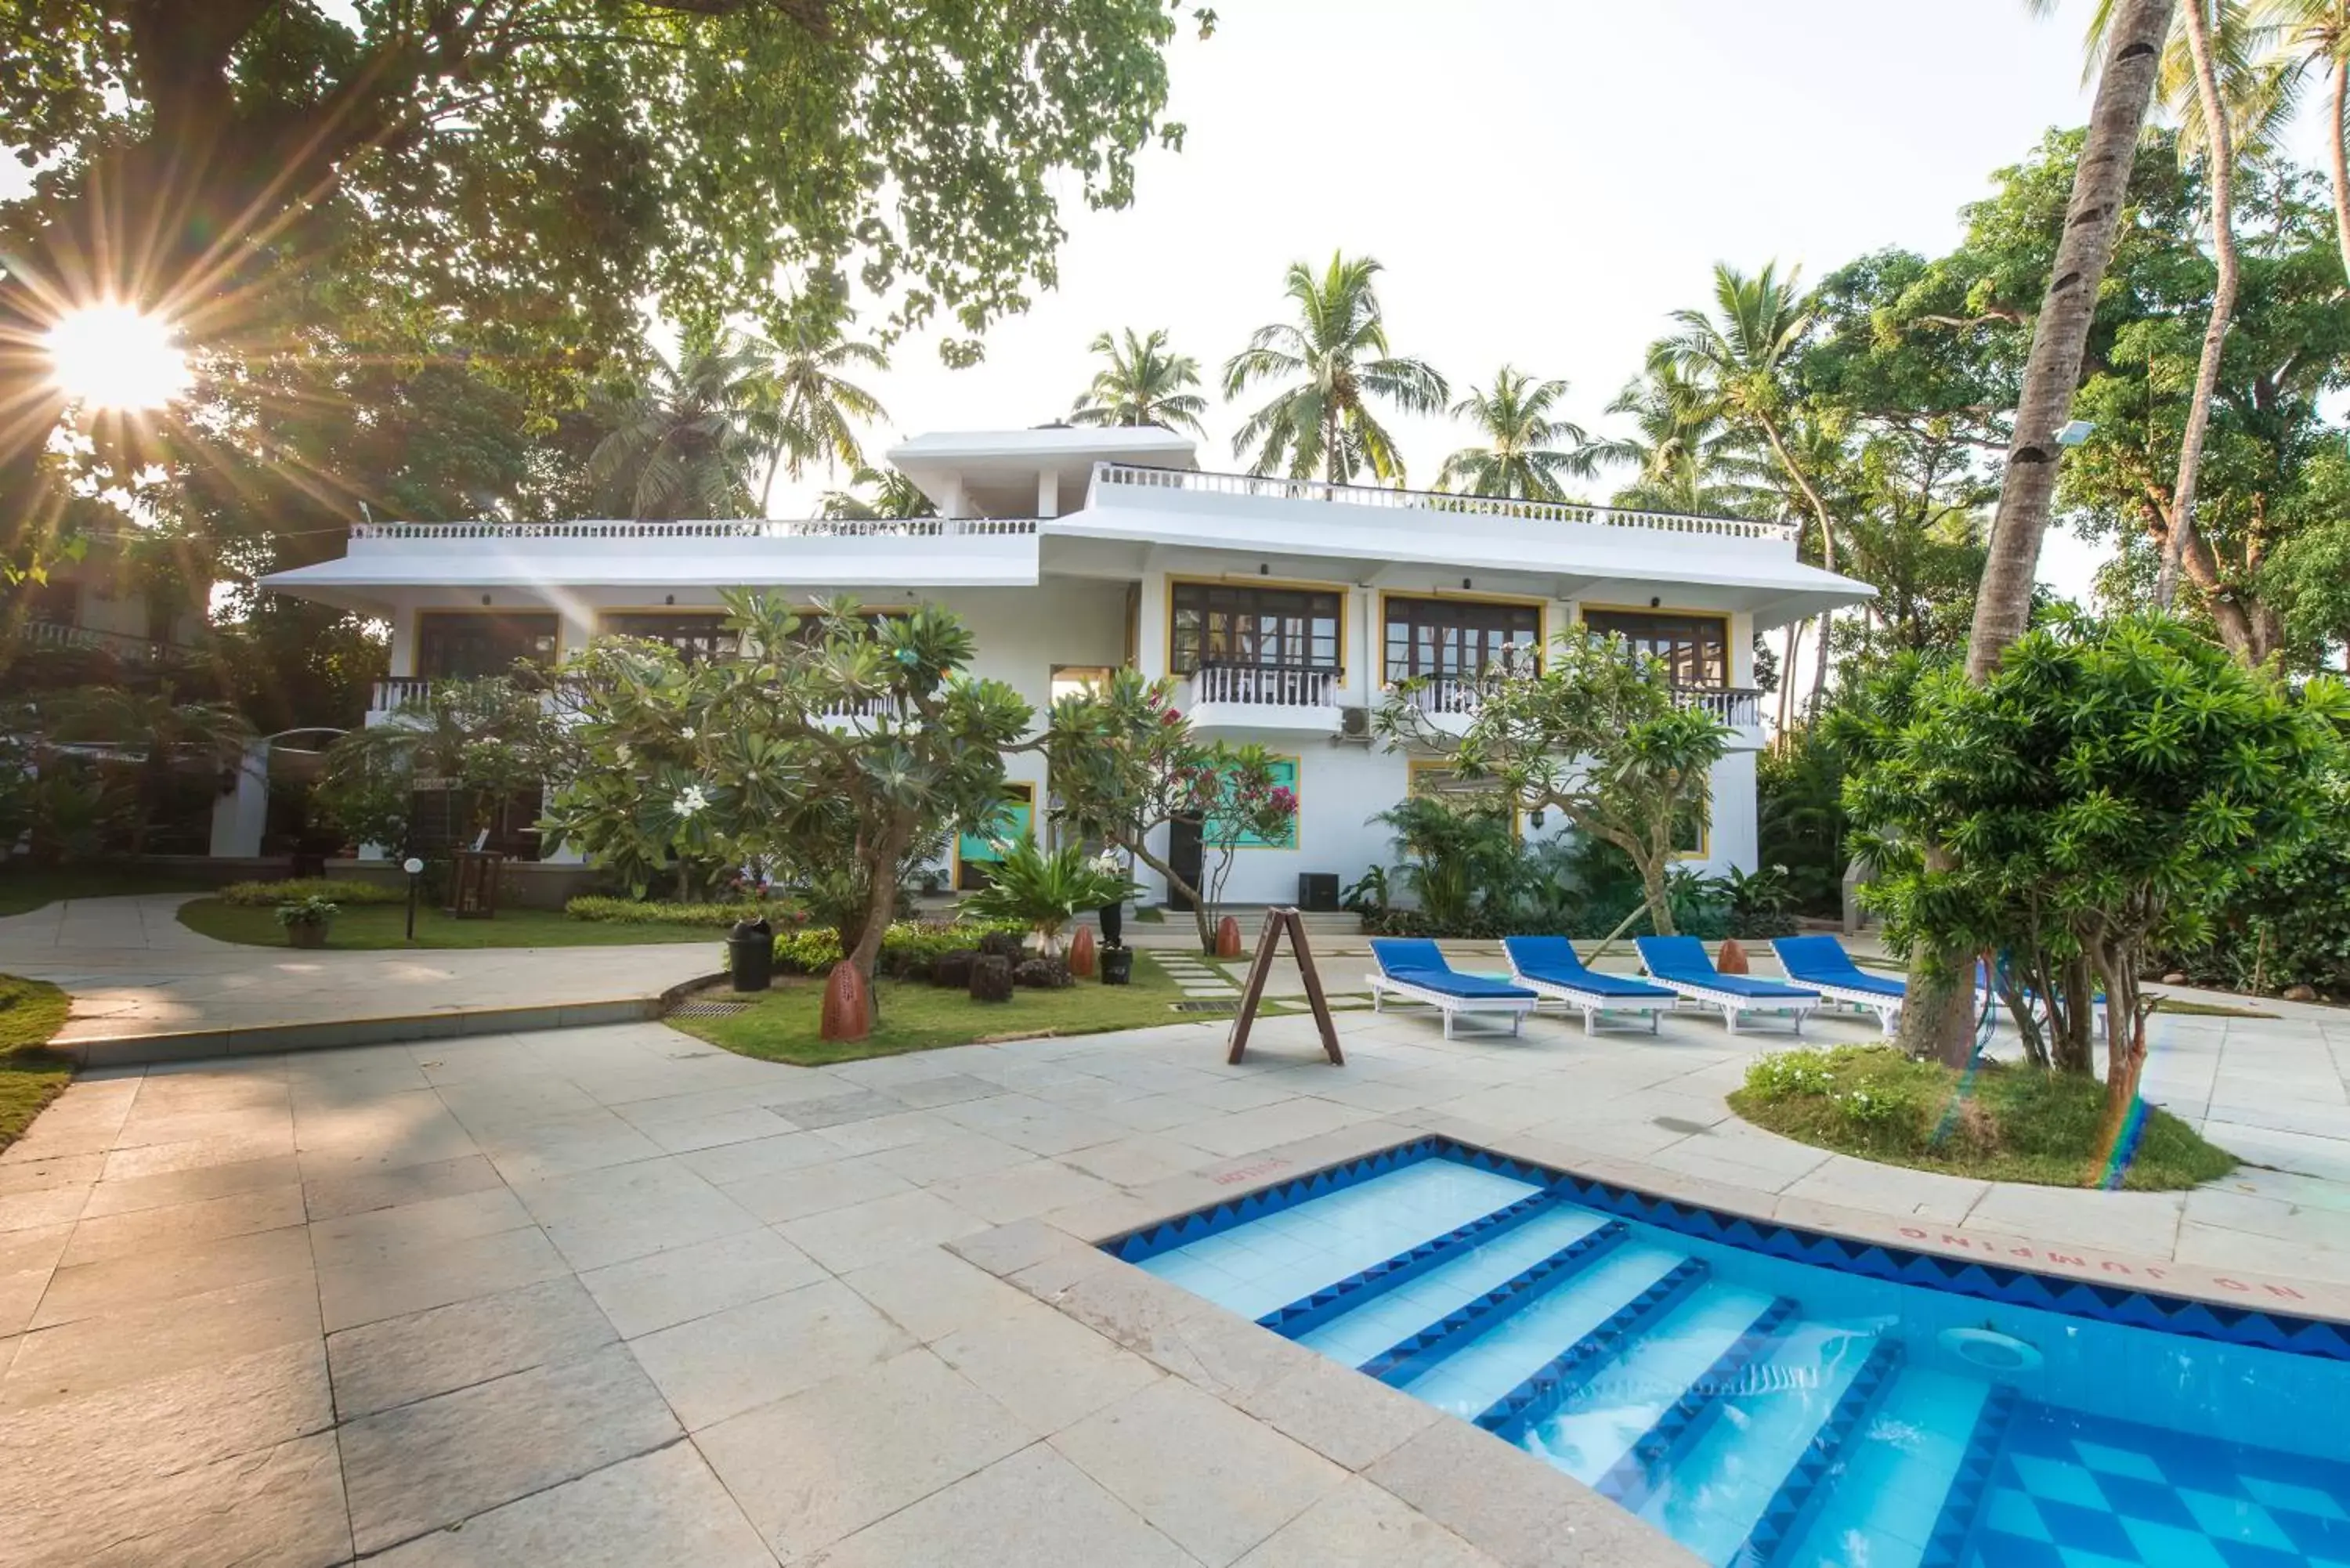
column 1317, row 891
column 751, row 954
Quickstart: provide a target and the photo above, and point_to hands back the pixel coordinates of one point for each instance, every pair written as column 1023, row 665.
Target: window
column 1075, row 679
column 1453, row 637
column 1014, row 819
column 1693, row 825
column 1695, row 648
column 696, row 634
column 1284, row 772
column 1235, row 625
column 464, row 645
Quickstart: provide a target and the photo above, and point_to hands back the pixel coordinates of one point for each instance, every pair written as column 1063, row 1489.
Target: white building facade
column 1281, row 608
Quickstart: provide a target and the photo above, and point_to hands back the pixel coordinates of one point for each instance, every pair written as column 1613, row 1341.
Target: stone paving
column 134, row 971
column 614, row 1296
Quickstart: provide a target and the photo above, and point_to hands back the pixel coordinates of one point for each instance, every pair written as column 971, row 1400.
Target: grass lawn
column 2011, row 1124
column 23, row 891
column 781, row 1026
column 385, row 925
column 30, row 1077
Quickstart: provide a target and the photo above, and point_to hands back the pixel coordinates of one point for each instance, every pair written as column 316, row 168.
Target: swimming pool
column 1771, row 1397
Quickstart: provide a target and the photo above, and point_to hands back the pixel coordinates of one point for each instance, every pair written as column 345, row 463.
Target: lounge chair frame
column 1451, row 1007
column 1594, row 1005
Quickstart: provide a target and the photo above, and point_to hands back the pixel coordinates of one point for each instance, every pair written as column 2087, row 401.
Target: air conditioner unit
column 1354, row 723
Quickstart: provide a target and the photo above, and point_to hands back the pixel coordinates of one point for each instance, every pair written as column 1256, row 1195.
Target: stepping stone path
column 1192, row 976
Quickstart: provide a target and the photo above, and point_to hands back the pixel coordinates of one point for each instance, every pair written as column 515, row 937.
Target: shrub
column 991, row 980
column 313, row 910
column 718, row 917
column 908, row 949
column 2288, row 925
column 1042, row 973
column 1789, row 1074
column 269, row 895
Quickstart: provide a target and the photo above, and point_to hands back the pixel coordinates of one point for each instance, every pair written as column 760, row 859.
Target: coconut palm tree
column 684, row 444
column 1145, row 384
column 892, row 495
column 1685, row 456
column 1522, row 456
column 806, row 409
column 1337, row 362
column 2313, row 35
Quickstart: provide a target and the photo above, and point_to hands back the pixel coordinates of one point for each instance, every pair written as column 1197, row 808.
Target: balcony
column 49, row 635
column 1250, row 697
column 1450, row 702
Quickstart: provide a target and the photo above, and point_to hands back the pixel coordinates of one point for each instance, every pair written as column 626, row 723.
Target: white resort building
column 1282, row 607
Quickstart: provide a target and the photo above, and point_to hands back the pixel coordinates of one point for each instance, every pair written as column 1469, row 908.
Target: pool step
column 1787, row 1515
column 1631, row 1479
column 1308, row 1312
column 1535, row 1398
column 1416, row 1353
column 1895, row 1479
column 1955, row 1527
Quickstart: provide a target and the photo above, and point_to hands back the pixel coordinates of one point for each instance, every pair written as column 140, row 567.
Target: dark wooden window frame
column 1228, row 626
column 1694, row 645
column 1490, row 625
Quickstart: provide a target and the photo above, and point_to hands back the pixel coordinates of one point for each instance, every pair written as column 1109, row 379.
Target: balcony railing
column 50, row 634
column 711, row 528
column 1264, row 687
column 1736, row 706
column 1245, row 485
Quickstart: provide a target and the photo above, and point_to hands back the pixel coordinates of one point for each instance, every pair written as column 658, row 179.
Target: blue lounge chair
column 1414, row 969
column 1548, row 966
column 1821, row 963
column 1680, row 964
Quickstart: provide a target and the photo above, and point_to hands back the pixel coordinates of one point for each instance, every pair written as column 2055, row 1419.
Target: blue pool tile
column 2002, row 1551
column 2143, row 1500
column 2054, row 1480
column 2162, row 1546
column 2110, row 1461
column 2014, row 1513
column 2287, row 1497
column 2240, row 1556
column 2085, row 1528
column 2235, row 1519
column 2081, row 1560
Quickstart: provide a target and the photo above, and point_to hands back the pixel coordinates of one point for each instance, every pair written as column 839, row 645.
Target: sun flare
column 111, row 356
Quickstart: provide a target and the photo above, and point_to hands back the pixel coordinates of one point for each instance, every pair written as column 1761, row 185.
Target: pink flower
column 1172, row 716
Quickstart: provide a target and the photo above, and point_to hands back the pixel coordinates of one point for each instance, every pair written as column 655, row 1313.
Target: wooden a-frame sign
column 1277, row 920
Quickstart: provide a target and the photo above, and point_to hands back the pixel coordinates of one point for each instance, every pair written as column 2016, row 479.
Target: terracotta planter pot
column 1228, row 938
column 1082, row 953
column 1732, row 960
column 306, row 936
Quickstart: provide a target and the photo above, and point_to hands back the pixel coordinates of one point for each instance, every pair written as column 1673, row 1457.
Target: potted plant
column 1043, row 890
column 306, row 921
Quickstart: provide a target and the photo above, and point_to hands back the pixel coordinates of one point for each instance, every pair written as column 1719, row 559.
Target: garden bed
column 31, row 1011
column 1998, row 1124
column 376, row 925
column 780, row 1026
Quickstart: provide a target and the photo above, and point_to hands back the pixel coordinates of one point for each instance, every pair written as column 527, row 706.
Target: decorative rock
column 1732, row 960
column 991, row 979
column 1000, row 944
column 2174, row 978
column 1041, row 974
column 954, row 968
column 848, row 1004
column 1228, row 938
column 1081, row 952
column 2298, row 994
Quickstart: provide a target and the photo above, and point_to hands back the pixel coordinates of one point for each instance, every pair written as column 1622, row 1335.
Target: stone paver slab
column 1034, row 1509
column 403, row 1359
column 677, row 1286
column 736, row 1360
column 1044, row 1367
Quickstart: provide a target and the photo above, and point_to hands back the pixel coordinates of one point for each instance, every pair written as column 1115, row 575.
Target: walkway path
column 134, row 971
column 613, row 1295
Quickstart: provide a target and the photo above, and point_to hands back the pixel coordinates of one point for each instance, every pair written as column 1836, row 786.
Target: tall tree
column 1684, row 456
column 1337, row 360
column 525, row 173
column 892, row 496
column 1144, row 383
column 1526, row 446
column 684, row 444
column 2315, row 35
column 1741, row 357
column 1935, row 1024
column 804, row 409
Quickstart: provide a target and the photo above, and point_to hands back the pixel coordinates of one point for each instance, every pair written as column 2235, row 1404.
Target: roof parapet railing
column 711, row 528
column 1263, row 487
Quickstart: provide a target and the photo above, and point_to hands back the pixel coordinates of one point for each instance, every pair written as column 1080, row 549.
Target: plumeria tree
column 1591, row 731
column 828, row 746
column 1125, row 763
column 480, row 741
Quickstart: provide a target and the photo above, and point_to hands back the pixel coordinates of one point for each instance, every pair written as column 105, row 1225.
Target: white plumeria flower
column 691, row 803
column 624, row 752
column 686, row 733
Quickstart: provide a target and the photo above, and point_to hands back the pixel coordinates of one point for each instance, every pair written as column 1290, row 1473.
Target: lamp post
column 415, row 869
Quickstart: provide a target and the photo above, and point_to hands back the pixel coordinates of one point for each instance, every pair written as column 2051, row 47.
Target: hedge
column 269, row 895
column 641, row 911
column 908, row 949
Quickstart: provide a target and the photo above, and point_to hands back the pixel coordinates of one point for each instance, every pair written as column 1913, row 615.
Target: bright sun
column 110, row 356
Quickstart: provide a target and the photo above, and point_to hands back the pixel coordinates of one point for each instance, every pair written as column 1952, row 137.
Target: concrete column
column 954, row 504
column 240, row 816
column 1151, row 650
column 1048, row 493
column 1360, row 652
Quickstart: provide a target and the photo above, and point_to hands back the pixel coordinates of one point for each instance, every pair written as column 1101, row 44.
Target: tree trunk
column 1199, row 904
column 880, row 903
column 1657, row 894
column 2220, row 148
column 2061, row 335
column 2334, row 141
column 1820, row 665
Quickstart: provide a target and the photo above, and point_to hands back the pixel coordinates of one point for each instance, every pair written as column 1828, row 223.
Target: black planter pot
column 1117, row 966
column 1113, row 922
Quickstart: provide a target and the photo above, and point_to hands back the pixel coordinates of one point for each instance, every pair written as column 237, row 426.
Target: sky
column 1544, row 180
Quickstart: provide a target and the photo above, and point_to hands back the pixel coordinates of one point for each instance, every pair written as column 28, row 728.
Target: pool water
column 1770, row 1412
